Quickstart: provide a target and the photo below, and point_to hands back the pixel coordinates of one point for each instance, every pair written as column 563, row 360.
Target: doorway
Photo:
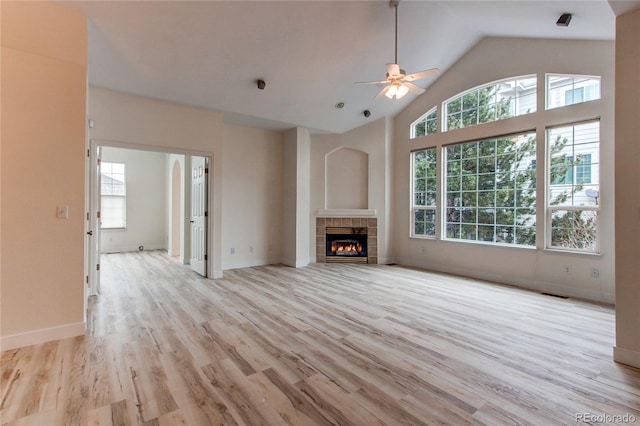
column 158, row 206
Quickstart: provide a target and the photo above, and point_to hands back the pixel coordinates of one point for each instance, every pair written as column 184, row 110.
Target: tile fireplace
column 346, row 240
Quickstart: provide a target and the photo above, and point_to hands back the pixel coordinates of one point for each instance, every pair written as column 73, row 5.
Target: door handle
column 192, row 221
column 90, row 233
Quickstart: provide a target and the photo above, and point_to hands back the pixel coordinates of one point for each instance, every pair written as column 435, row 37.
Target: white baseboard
column 36, row 337
column 296, row 263
column 249, row 263
column 626, row 356
column 534, row 285
column 129, row 248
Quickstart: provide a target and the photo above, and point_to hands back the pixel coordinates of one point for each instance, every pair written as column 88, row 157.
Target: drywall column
column 43, row 102
column 385, row 223
column 627, row 175
column 296, row 197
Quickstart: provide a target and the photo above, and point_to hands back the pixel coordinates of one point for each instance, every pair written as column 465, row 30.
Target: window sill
column 489, row 244
column 569, row 251
column 424, row 237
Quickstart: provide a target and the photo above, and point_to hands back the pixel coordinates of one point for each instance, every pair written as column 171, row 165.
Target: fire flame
column 352, row 248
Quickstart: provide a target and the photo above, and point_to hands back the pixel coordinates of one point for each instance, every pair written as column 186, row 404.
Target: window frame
column 415, row 207
column 445, row 104
column 585, row 174
column 551, row 208
column 573, row 77
column 477, row 207
column 122, row 196
column 424, row 117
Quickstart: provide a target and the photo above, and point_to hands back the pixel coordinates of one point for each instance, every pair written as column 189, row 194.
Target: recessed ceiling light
column 340, row 105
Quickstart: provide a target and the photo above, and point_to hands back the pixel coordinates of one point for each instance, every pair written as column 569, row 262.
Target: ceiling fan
column 398, row 82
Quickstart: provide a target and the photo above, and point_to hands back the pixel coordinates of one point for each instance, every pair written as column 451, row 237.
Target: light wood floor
column 325, row 344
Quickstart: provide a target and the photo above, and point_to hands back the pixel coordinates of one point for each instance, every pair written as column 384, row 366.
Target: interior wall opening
column 154, row 193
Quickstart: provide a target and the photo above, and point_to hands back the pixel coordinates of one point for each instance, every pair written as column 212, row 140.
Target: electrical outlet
column 595, row 273
column 250, row 249
column 233, row 250
column 567, row 269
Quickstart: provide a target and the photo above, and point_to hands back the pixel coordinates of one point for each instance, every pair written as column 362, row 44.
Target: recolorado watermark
column 605, row 418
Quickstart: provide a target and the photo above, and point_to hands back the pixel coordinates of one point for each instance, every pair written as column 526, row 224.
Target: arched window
column 494, row 101
column 425, row 125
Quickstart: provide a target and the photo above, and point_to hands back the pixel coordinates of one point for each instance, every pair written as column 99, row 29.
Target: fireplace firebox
column 346, row 244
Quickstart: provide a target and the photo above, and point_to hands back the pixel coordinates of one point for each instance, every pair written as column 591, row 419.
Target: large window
column 563, row 90
column 485, row 190
column 574, row 190
column 424, row 192
column 490, row 190
column 425, row 125
column 494, row 101
column 113, row 196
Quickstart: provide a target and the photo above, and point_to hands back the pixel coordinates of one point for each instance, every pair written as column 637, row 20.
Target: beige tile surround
column 371, row 223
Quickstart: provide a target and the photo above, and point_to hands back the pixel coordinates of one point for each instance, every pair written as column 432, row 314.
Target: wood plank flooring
column 323, row 345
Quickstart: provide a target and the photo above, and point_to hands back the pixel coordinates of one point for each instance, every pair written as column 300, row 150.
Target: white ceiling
column 210, row 53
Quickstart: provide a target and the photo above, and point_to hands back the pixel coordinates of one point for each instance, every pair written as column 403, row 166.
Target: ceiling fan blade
column 413, row 88
column 422, row 74
column 371, row 82
column 393, row 69
column 382, row 92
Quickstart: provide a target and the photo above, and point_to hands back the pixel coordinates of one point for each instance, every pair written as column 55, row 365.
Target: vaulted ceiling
column 309, row 53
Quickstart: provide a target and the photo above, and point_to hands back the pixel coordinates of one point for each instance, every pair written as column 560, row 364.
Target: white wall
column 252, row 197
column 146, row 201
column 296, row 187
column 43, row 97
column 125, row 120
column 372, row 139
column 627, row 171
column 537, row 268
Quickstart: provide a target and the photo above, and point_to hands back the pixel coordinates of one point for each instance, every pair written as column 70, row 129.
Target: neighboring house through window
column 113, row 201
column 564, row 90
column 573, row 153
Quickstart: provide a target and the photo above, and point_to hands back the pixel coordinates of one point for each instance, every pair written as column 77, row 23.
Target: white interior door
column 199, row 172
column 93, row 222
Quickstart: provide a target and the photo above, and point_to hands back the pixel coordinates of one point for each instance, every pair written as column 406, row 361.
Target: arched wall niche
column 346, row 179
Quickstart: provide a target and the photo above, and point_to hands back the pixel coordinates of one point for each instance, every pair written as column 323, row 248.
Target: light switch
column 62, row 212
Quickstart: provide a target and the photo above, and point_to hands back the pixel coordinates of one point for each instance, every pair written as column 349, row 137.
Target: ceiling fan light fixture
column 396, row 91
column 398, row 83
column 391, row 92
column 402, row 91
